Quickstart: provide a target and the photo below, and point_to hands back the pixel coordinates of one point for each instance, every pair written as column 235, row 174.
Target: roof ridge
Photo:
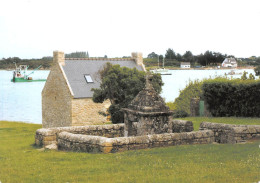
column 105, row 59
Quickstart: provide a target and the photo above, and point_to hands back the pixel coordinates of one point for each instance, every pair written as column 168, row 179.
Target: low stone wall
column 227, row 133
column 96, row 144
column 47, row 136
column 178, row 126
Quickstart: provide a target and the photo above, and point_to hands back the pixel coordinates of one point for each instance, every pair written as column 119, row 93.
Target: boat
column 20, row 74
column 232, row 72
column 162, row 70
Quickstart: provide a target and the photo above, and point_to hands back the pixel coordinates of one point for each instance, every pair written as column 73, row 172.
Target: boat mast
column 163, row 63
column 158, row 62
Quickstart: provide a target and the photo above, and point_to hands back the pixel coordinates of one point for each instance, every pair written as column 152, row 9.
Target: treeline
column 209, row 58
column 9, row 63
column 77, row 55
column 45, row 62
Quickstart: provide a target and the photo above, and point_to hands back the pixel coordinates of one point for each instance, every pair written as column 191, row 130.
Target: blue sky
column 35, row 28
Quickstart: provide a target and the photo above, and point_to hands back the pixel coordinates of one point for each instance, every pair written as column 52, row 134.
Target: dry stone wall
column 47, row 136
column 110, row 138
column 227, row 133
column 96, row 144
column 178, row 126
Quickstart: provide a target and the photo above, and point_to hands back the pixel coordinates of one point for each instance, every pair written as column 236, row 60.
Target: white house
column 229, row 62
column 185, row 65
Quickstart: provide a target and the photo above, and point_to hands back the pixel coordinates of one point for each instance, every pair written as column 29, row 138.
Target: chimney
column 138, row 57
column 58, row 57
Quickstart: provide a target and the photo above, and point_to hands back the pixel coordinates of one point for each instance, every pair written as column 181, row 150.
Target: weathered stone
column 52, row 146
column 226, row 133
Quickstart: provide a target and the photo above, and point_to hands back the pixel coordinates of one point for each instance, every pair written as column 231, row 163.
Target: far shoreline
column 170, row 68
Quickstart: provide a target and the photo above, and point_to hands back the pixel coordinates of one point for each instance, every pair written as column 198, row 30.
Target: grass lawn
column 21, row 162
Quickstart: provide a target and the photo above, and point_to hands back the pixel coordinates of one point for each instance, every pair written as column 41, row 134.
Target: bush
column 192, row 90
column 180, row 114
column 232, row 97
column 257, row 71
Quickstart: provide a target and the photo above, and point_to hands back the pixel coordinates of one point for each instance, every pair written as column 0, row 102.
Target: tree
column 120, row 85
column 170, row 54
column 257, row 71
column 179, row 57
column 152, row 55
column 188, row 57
column 77, row 55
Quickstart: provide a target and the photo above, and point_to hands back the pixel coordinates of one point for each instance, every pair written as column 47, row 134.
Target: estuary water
column 22, row 101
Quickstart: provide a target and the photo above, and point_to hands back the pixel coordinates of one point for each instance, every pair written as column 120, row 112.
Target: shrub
column 192, row 90
column 232, row 97
column 180, row 114
column 257, row 71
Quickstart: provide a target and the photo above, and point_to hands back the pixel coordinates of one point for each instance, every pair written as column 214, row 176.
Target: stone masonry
column 56, row 96
column 226, row 133
column 59, row 106
column 81, row 117
column 96, row 144
column 150, row 112
column 47, row 136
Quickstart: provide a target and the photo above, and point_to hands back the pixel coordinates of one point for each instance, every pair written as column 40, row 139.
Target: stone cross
column 148, row 79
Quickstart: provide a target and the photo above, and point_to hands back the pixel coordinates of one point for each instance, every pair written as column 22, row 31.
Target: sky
column 36, row 28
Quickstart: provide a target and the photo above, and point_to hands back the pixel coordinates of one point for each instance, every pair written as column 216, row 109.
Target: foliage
column 232, row 97
column 20, row 161
column 8, row 63
column 77, row 54
column 211, row 58
column 192, row 90
column 170, row 54
column 171, row 105
column 257, row 71
column 188, row 57
column 120, row 85
column 152, row 55
column 180, row 114
column 244, row 77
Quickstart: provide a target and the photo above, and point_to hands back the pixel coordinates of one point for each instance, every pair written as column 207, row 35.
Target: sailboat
column 162, row 70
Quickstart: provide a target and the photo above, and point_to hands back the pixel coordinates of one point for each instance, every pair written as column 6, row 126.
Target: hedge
column 235, row 97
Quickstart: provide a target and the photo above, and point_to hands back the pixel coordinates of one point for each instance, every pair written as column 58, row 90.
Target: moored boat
column 161, row 71
column 20, row 74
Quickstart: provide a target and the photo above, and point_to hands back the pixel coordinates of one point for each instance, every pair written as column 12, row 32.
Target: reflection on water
column 22, row 101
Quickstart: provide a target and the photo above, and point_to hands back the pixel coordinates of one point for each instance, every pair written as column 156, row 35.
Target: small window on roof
column 88, row 78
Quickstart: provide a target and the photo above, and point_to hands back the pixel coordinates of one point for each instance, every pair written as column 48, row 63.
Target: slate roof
column 230, row 61
column 76, row 69
column 185, row 63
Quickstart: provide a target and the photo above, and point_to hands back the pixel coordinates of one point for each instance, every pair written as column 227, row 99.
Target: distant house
column 185, row 65
column 229, row 62
column 67, row 95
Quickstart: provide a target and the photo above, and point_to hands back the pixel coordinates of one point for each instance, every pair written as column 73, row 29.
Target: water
column 22, row 101
column 180, row 78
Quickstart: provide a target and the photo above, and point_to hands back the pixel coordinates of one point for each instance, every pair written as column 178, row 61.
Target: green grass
column 21, row 162
column 227, row 120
